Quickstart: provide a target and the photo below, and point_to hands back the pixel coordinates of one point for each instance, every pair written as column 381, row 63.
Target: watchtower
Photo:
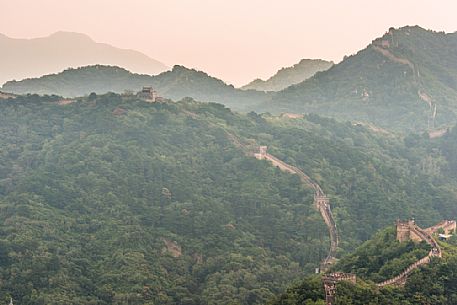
column 262, row 152
column 321, row 201
column 330, row 281
column 402, row 230
column 148, row 94
column 405, row 231
column 450, row 227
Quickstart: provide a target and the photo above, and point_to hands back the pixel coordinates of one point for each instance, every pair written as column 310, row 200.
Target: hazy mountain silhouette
column 286, row 77
column 406, row 79
column 25, row 58
column 176, row 84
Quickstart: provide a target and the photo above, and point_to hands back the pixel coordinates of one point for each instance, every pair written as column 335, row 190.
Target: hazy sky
column 235, row 40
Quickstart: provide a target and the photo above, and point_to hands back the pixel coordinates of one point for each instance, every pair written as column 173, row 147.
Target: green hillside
column 111, row 200
column 80, row 82
column 395, row 82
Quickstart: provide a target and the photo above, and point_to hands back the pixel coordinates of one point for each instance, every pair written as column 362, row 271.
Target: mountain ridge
column 288, row 76
column 405, row 79
column 177, row 83
column 26, row 58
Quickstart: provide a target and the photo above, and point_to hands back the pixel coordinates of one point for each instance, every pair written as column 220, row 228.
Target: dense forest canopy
column 112, row 200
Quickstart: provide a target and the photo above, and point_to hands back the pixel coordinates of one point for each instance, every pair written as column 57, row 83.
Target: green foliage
column 372, row 179
column 114, row 200
column 85, row 218
column 448, row 145
column 309, row 292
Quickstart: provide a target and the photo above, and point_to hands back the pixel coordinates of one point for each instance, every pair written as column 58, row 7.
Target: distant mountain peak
column 27, row 58
column 106, row 69
column 288, row 76
column 304, row 60
column 180, row 68
column 70, row 35
column 184, row 69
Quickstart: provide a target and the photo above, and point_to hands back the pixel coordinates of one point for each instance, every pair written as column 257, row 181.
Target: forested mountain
column 176, row 84
column 434, row 283
column 25, row 58
column 112, row 200
column 406, row 79
column 286, row 77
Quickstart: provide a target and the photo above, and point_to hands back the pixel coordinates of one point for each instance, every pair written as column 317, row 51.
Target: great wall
column 321, row 202
column 406, row 230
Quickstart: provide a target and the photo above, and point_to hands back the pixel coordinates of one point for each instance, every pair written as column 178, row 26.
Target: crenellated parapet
column 408, row 230
column 448, row 227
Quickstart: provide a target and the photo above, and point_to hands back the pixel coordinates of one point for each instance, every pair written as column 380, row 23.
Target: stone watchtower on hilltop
column 330, row 281
column 405, row 231
column 262, row 153
column 148, row 94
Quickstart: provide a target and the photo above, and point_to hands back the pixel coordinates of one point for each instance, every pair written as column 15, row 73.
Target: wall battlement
column 448, row 227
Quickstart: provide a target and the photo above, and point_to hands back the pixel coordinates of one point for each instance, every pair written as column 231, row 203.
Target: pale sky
column 235, row 40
